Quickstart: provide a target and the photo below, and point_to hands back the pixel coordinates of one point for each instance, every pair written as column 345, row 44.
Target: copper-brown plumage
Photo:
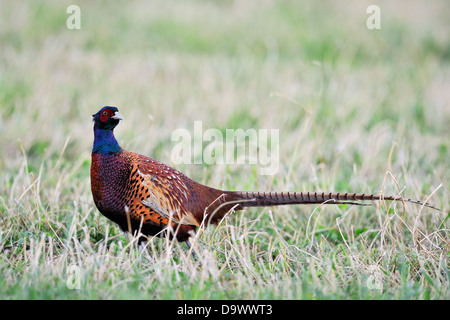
column 142, row 194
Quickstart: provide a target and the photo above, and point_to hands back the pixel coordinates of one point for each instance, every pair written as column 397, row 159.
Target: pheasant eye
column 104, row 116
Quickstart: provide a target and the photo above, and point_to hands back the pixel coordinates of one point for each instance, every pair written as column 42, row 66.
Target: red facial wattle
column 105, row 115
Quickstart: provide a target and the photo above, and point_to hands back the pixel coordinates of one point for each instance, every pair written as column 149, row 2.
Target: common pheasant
column 142, row 194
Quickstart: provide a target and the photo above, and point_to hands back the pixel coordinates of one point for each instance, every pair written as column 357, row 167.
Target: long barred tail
column 264, row 199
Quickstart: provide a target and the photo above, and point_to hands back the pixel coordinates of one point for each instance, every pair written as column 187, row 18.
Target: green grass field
column 357, row 110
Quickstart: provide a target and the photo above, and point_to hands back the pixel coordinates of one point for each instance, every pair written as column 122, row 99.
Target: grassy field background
column 351, row 104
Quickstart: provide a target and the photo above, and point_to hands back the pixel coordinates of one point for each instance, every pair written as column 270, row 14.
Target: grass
column 351, row 104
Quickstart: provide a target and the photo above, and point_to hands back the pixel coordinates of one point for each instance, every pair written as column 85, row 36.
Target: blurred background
column 350, row 104
column 314, row 71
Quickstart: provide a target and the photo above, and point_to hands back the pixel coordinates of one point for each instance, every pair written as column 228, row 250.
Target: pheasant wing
column 166, row 191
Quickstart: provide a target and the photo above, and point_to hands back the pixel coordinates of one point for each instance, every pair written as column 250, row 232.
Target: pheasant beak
column 117, row 116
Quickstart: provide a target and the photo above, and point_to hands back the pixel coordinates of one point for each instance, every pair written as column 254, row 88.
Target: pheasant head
column 104, row 123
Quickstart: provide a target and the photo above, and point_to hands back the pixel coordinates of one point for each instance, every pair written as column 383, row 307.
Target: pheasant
column 142, row 194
